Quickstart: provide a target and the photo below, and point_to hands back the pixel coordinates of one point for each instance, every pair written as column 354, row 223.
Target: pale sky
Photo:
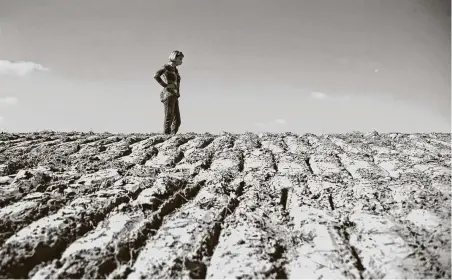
column 317, row 66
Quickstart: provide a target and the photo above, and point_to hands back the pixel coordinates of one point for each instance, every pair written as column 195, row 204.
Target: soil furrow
column 139, row 221
column 195, row 161
column 325, row 165
column 118, row 149
column 31, row 208
column 31, row 144
column 417, row 201
column 251, row 238
column 120, row 248
column 174, row 141
column 317, row 250
column 47, row 238
column 142, row 151
column 171, row 152
column 25, row 181
column 186, row 239
column 254, row 231
column 274, row 143
column 421, row 218
column 362, row 203
column 424, row 142
column 247, row 142
column 361, row 167
column 320, row 251
column 93, row 255
column 297, row 145
column 92, row 149
column 150, row 228
column 164, row 187
column 355, row 205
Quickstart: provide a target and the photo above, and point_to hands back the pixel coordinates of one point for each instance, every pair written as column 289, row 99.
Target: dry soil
column 85, row 205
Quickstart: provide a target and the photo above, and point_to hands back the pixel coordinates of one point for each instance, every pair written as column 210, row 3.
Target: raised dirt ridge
column 85, row 205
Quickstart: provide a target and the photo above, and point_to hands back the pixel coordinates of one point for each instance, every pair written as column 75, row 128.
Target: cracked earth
column 359, row 206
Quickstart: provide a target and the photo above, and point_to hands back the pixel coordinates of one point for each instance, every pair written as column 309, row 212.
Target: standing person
column 170, row 94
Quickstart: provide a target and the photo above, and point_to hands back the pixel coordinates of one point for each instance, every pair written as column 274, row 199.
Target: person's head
column 176, row 57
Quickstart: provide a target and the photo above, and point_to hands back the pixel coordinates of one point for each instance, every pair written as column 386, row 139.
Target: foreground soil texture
column 360, row 206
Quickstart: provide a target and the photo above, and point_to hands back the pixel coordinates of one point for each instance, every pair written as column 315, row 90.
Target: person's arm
column 158, row 78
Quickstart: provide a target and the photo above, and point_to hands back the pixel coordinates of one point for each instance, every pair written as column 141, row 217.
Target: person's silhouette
column 170, row 94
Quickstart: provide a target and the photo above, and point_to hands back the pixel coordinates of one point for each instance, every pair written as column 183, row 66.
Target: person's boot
column 174, row 129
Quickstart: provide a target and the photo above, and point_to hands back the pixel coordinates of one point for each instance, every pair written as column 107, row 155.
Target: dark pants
column 172, row 115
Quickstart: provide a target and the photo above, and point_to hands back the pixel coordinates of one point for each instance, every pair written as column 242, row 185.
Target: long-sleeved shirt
column 171, row 79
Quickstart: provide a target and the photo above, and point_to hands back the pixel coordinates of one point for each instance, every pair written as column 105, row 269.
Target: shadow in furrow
column 331, row 202
column 148, row 155
column 176, row 201
column 284, row 197
column 206, row 143
column 178, row 158
column 124, row 153
column 342, row 230
column 343, row 166
column 241, row 162
column 278, row 268
column 308, row 164
column 197, row 264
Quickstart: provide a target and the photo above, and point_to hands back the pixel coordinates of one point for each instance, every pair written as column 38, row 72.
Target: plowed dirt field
column 85, row 205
